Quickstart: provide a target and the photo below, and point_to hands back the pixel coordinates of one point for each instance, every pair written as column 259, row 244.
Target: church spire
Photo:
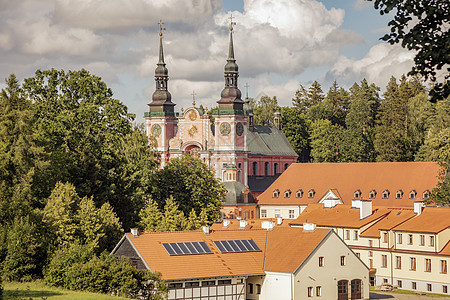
column 161, row 99
column 231, row 95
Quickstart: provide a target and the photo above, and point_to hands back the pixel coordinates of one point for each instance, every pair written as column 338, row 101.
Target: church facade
column 225, row 140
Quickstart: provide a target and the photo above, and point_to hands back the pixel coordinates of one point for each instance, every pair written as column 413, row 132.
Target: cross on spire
column 193, row 98
column 246, row 90
column 161, row 28
column 231, row 22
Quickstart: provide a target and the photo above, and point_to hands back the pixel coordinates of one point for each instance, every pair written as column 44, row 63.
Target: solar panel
column 187, row 248
column 236, row 246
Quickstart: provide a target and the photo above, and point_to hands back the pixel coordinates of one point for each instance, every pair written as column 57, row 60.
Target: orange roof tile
column 252, row 224
column 339, row 216
column 431, row 220
column 217, row 264
column 446, row 249
column 346, row 178
column 394, row 218
column 288, row 247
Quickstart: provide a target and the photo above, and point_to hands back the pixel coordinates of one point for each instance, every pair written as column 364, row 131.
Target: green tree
column 325, row 141
column 192, row 185
column 264, row 110
column 173, row 219
column 307, row 98
column 295, row 126
column 150, row 216
column 440, row 195
column 422, row 26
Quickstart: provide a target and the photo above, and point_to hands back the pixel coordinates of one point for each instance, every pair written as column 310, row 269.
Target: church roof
column 268, row 140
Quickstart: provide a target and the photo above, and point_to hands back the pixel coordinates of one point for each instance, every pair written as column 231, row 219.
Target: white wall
column 277, row 286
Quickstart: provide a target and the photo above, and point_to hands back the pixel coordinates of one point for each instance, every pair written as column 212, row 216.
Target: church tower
column 161, row 119
column 230, row 123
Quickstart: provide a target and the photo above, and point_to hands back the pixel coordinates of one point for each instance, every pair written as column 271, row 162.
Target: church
column 246, row 157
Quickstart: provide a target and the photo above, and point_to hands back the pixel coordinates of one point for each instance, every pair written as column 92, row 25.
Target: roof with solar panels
column 196, row 254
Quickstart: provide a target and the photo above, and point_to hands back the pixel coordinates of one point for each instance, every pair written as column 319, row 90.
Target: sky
column 279, row 44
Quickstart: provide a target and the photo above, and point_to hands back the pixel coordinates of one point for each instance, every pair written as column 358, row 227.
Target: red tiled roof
column 346, row 178
column 431, row 220
column 394, row 218
column 252, row 224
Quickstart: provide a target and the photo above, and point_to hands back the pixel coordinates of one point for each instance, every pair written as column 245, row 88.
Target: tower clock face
column 239, row 129
column 225, row 128
column 156, row 130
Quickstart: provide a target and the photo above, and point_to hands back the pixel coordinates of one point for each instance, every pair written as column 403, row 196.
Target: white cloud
column 284, row 91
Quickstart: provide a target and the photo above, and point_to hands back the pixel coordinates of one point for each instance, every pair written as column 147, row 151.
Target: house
column 405, row 247
column 274, row 262
column 389, row 184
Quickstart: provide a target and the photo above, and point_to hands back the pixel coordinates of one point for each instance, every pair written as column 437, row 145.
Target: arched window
column 275, row 169
column 386, row 194
column 255, row 168
column 357, row 194
column 311, row 193
column 266, row 168
column 276, row 193
column 399, row 194
column 286, row 166
column 299, row 194
column 372, row 194
column 287, row 194
column 412, row 194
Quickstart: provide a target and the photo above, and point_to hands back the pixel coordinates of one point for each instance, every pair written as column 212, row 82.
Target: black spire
column 161, row 99
column 231, row 95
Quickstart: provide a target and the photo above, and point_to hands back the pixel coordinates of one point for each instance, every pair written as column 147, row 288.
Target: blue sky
column 279, row 44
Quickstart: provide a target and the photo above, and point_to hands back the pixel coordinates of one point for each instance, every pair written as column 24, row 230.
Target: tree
column 422, row 26
column 307, row 98
column 150, row 216
column 172, row 219
column 192, row 185
column 295, row 126
column 325, row 141
column 264, row 110
column 440, row 195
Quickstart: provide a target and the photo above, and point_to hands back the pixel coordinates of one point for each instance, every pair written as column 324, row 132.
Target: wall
column 284, row 210
column 277, row 285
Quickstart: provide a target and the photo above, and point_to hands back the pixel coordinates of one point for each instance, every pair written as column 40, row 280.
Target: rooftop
column 431, row 220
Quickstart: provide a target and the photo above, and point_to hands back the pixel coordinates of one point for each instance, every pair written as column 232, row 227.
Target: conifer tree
column 172, row 219
column 150, row 216
column 307, row 98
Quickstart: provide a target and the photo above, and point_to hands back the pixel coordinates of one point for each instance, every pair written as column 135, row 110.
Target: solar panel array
column 237, row 246
column 187, row 248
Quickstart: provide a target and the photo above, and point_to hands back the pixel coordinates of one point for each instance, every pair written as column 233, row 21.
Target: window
column 239, row 165
column 385, row 280
column 426, row 194
column 398, row 262
column 410, row 239
column 414, row 285
column 412, row 264
column 347, row 234
column 276, row 193
column 286, row 166
column 370, row 243
column 429, row 287
column 443, row 267
column 311, row 194
column 355, row 235
column 277, row 213
column 412, row 194
column 386, row 194
column 192, row 284
column 310, row 291
column 385, row 237
column 318, row 291
column 258, row 289
column 399, row 283
column 176, row 285
column 321, row 261
column 399, row 194
column 370, row 263
column 255, row 168
column 357, row 194
column 299, row 194
column 384, row 261
column 223, row 282
column 372, row 194
column 370, row 253
column 263, row 213
column 266, row 168
column 275, row 169
column 287, row 194
column 427, row 265
column 422, row 240
column 250, row 288
column 431, row 244
column 444, row 289
column 343, row 260
column 291, row 214
column 208, row 283
column 399, row 238
column 358, row 254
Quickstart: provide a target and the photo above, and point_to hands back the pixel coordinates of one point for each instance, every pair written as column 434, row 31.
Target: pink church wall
column 271, row 159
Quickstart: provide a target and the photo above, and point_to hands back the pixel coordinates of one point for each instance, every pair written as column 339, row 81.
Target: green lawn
column 38, row 290
column 400, row 291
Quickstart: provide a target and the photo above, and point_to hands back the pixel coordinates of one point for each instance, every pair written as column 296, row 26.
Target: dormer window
column 311, row 193
column 357, row 194
column 386, row 194
column 276, row 193
column 372, row 194
column 299, row 194
column 412, row 194
column 287, row 194
column 399, row 194
column 426, row 194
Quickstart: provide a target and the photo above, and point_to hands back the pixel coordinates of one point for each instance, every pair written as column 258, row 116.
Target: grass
column 38, row 290
column 400, row 291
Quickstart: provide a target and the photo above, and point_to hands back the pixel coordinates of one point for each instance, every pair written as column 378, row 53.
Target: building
column 406, row 247
column 258, row 153
column 273, row 262
column 390, row 184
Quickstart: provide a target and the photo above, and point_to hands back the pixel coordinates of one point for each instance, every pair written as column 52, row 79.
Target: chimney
column 243, row 224
column 356, row 203
column 418, row 207
column 267, row 224
column 277, row 120
column 226, row 223
column 309, row 227
column 134, row 232
column 279, row 221
column 365, row 208
column 206, row 230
